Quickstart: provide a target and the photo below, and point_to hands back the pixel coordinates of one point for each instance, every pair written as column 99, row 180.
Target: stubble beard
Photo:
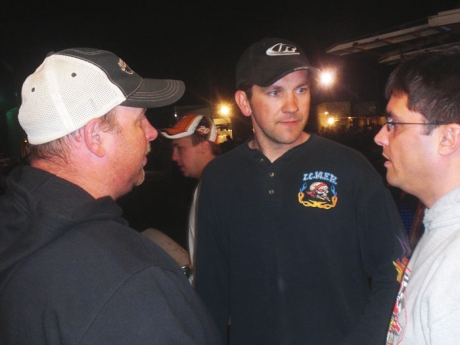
column 142, row 178
column 272, row 136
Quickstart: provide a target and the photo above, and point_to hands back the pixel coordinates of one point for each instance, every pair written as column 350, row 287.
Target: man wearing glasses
column 421, row 143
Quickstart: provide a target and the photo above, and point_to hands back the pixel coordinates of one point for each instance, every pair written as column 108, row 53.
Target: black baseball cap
column 269, row 60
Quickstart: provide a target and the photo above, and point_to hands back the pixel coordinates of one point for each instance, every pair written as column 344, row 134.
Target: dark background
column 198, row 42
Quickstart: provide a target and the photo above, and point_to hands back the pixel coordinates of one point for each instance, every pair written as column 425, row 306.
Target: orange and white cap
column 192, row 124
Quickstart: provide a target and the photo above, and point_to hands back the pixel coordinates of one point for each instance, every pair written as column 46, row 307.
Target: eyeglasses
column 391, row 124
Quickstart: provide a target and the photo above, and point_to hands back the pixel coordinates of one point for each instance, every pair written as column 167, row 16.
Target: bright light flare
column 327, row 78
column 330, row 121
column 224, row 110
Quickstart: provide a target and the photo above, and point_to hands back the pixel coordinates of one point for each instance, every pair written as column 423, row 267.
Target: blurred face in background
column 188, row 157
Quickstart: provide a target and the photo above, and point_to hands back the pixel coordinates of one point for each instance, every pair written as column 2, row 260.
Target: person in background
column 195, row 144
column 421, row 145
column 72, row 271
column 292, row 226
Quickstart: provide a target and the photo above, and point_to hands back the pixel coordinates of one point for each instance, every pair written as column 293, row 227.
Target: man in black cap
column 71, row 269
column 292, row 226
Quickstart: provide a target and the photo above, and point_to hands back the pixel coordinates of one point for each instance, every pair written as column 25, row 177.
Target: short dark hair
column 431, row 82
column 246, row 87
column 215, row 148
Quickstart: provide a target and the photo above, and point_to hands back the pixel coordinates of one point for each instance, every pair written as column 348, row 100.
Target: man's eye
column 390, row 123
column 274, row 93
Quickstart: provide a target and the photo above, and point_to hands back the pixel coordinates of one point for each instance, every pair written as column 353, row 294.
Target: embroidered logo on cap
column 202, row 130
column 282, row 49
column 124, row 67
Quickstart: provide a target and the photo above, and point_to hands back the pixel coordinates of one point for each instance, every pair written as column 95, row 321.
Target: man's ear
column 243, row 102
column 450, row 139
column 205, row 146
column 94, row 137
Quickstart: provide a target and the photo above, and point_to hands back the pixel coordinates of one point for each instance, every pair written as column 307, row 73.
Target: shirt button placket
column 271, row 191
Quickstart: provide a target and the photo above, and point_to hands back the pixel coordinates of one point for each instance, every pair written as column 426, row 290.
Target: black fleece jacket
column 73, row 272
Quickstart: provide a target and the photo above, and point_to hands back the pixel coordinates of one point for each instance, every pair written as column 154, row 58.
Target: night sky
column 195, row 41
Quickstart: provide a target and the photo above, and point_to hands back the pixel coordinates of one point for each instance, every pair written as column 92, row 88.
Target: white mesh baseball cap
column 74, row 86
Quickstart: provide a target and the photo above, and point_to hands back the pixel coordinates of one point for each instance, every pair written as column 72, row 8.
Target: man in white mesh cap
column 71, row 269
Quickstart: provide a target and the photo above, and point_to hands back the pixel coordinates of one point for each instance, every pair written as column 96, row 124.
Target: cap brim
column 155, row 93
column 174, row 136
column 185, row 127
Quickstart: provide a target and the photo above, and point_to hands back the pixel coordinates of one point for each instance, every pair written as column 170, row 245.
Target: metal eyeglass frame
column 391, row 124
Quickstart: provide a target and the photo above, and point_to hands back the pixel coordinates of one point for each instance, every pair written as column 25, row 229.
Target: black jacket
column 73, row 272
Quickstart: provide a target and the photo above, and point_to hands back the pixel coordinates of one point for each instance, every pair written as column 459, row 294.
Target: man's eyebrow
column 305, row 83
column 275, row 87
column 390, row 115
column 271, row 87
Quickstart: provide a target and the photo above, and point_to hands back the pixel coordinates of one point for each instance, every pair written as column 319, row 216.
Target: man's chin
column 391, row 179
column 141, row 178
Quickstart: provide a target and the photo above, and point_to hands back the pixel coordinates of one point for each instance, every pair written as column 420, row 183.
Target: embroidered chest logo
column 318, row 190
